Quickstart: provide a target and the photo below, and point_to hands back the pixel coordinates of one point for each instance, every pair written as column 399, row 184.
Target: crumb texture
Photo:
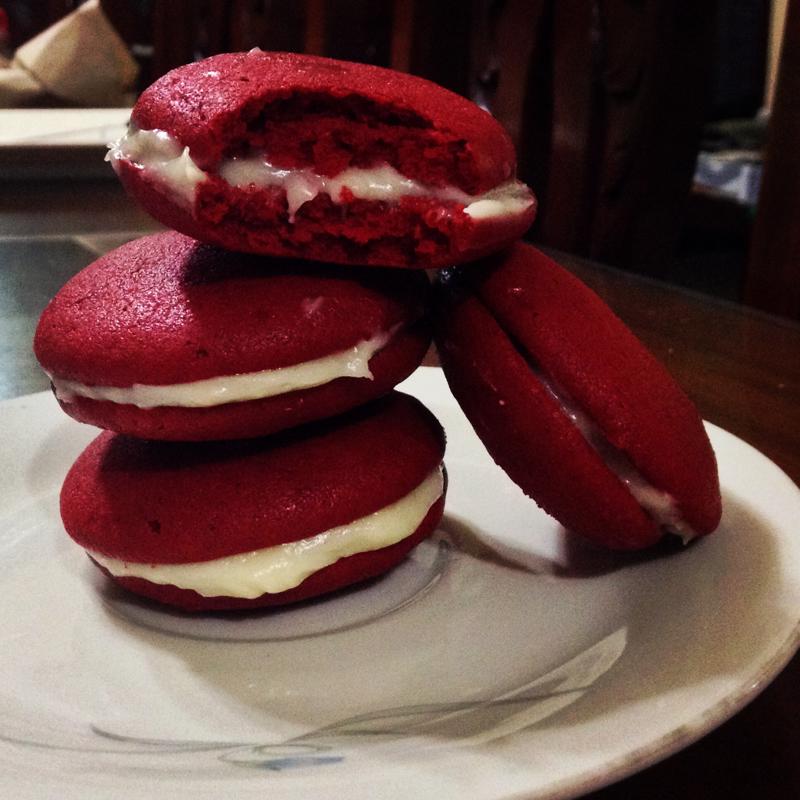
column 306, row 110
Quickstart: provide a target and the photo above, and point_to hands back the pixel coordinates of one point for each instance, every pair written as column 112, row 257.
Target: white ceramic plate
column 48, row 143
column 503, row 659
column 61, row 127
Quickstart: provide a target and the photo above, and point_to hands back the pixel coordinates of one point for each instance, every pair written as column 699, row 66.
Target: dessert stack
column 243, row 363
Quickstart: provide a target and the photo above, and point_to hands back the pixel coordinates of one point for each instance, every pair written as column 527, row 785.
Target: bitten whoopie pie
column 166, row 338
column 572, row 406
column 241, row 524
column 288, row 154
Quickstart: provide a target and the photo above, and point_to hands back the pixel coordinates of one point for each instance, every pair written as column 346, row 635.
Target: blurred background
column 659, row 135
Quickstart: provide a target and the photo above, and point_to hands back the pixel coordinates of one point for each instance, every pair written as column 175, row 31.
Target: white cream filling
column 160, row 154
column 351, row 363
column 659, row 505
column 276, row 569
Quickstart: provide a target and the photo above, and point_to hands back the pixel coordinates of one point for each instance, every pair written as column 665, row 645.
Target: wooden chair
column 773, row 275
column 425, row 38
column 606, row 104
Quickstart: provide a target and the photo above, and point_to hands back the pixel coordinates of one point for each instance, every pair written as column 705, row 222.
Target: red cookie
column 166, row 338
column 288, row 154
column 264, row 521
column 572, row 406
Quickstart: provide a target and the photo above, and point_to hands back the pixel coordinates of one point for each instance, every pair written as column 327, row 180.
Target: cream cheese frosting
column 282, row 567
column 159, row 153
column 659, row 505
column 351, row 363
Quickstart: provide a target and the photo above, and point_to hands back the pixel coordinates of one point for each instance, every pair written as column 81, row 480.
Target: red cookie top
column 306, row 110
column 156, row 502
column 575, row 340
column 165, row 309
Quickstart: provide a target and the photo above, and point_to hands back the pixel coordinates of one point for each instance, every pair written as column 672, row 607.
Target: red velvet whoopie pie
column 573, row 406
column 296, row 155
column 259, row 522
column 167, row 338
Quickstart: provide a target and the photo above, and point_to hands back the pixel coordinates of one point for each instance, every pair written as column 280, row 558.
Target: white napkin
column 80, row 60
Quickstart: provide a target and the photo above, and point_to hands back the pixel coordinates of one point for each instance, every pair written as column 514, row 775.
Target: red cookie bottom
column 344, row 572
column 416, row 233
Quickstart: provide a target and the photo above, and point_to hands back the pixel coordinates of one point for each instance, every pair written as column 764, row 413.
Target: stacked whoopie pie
column 255, row 452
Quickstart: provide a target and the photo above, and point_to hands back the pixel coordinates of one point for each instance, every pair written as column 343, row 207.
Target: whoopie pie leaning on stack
column 572, row 405
column 255, row 452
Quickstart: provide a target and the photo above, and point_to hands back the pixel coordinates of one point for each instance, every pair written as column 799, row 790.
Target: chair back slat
column 773, row 274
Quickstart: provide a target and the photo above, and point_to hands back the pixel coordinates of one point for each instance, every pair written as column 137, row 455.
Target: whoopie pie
column 289, row 154
column 167, row 338
column 247, row 523
column 572, row 405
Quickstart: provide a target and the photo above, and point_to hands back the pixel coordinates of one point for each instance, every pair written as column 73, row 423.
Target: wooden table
column 742, row 368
